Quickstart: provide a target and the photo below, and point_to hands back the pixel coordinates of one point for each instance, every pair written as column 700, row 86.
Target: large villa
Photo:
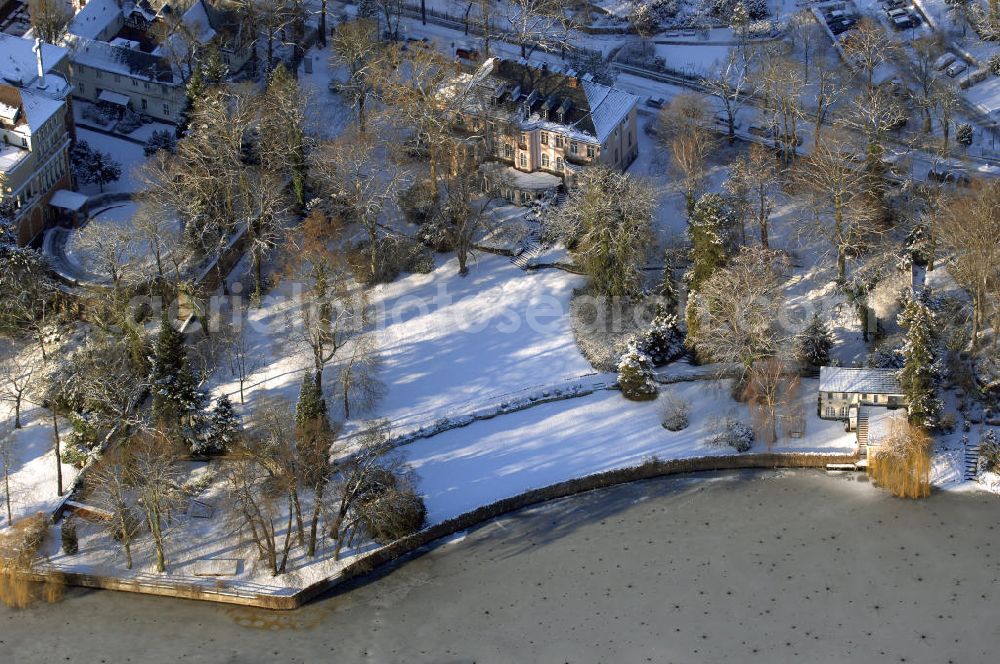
column 550, row 123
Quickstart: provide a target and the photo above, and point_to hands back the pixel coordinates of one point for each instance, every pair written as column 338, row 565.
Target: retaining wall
column 218, row 591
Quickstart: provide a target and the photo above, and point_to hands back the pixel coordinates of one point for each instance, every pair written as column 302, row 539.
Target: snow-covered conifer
column 635, row 375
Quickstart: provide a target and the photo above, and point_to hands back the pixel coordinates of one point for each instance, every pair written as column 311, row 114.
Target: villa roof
column 94, row 18
column 860, row 381
column 19, row 63
column 557, row 96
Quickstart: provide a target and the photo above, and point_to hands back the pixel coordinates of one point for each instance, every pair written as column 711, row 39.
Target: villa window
column 559, row 163
column 508, row 151
column 573, row 147
column 831, row 411
column 590, row 151
column 524, row 160
column 559, row 141
column 545, row 161
column 143, row 103
column 166, row 109
column 545, row 138
column 630, row 139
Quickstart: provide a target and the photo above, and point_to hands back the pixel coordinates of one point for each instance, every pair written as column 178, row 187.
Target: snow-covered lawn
column 127, row 153
column 33, row 462
column 449, row 340
column 486, row 461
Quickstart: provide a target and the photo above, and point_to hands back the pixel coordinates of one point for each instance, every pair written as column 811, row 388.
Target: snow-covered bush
column 887, row 353
column 394, row 255
column 160, row 140
column 130, row 121
column 635, row 375
column 79, row 445
column 730, row 432
column 393, row 514
column 417, row 202
column 662, row 341
column 964, row 134
column 675, row 412
column 989, row 453
column 70, row 540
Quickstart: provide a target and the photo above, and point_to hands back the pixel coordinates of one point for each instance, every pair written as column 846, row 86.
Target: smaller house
column 844, row 391
column 875, row 426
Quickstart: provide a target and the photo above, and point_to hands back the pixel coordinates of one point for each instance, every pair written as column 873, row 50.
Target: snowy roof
column 536, row 181
column 94, row 18
column 860, row 381
column 881, row 421
column 38, row 108
column 68, row 200
column 121, row 60
column 555, row 97
column 18, row 62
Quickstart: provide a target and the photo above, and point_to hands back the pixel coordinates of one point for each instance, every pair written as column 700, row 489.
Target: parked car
column 945, row 176
column 945, row 60
column 656, row 102
column 842, row 26
column 892, row 4
column 956, row 69
column 467, row 53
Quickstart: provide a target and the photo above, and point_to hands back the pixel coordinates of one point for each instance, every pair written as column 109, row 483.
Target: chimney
column 37, row 48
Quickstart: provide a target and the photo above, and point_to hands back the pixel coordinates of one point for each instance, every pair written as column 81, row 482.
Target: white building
column 843, row 391
column 36, row 128
column 138, row 55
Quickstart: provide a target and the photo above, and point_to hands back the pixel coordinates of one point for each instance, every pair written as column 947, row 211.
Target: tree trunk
column 322, row 24
column 293, row 497
column 280, row 569
column 17, row 411
column 55, row 437
column 6, row 492
column 314, row 524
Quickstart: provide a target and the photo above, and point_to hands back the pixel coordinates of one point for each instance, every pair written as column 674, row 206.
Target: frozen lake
column 745, row 567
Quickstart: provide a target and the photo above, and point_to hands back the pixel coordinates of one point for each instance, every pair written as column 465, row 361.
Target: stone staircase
column 971, row 461
column 863, row 438
column 530, row 248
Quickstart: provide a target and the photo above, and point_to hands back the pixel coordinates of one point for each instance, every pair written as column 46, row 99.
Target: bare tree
column 874, row 114
column 112, row 250
column 353, row 172
column 162, row 235
column 842, row 210
column 357, row 48
column 19, row 374
column 684, row 126
column 751, row 180
column 49, row 19
column 869, row 47
column 780, row 88
column 111, row 489
column 968, row 226
column 7, row 460
column 738, row 309
column 830, row 87
column 771, row 388
column 154, row 474
column 244, row 358
column 926, row 51
column 946, row 103
column 537, row 24
column 464, row 216
column 358, row 379
column 729, row 84
column 369, row 470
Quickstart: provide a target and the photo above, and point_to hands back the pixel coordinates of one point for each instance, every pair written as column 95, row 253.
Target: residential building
column 548, row 120
column 36, row 126
column 137, row 55
column 844, row 391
